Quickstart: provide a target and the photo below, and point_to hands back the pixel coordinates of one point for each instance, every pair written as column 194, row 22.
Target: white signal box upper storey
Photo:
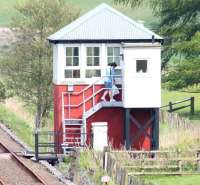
column 141, row 75
column 84, row 48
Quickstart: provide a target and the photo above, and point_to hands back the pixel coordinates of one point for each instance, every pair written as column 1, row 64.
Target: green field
column 173, row 180
column 7, row 10
column 174, row 96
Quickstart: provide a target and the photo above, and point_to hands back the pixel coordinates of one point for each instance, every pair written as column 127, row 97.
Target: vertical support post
column 192, row 106
column 127, row 128
column 198, row 160
column 83, row 102
column 155, row 129
column 69, row 106
column 170, row 107
column 36, row 146
column 93, row 95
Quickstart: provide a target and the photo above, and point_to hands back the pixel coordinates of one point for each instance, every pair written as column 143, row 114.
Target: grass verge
column 173, row 96
column 172, row 180
column 88, row 164
column 22, row 129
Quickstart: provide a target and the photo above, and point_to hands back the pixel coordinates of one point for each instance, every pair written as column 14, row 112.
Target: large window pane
column 141, row 66
column 117, row 60
column 89, row 51
column 96, row 61
column 76, row 73
column 76, row 51
column 93, row 73
column 118, row 72
column 96, row 51
column 68, row 73
column 69, row 51
column 72, row 59
column 76, row 62
column 110, row 51
column 110, row 60
column 116, row 51
column 69, row 61
column 113, row 55
column 89, row 61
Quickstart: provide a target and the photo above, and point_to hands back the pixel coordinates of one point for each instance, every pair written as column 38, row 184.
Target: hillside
column 7, row 10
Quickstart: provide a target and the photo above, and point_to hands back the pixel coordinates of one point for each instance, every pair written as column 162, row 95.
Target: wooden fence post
column 192, row 105
column 105, row 158
column 179, row 161
column 125, row 177
column 170, row 107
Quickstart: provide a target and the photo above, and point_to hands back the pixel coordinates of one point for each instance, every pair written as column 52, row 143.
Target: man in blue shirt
column 109, row 81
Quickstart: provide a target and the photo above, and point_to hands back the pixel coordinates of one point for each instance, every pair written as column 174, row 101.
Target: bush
column 2, row 92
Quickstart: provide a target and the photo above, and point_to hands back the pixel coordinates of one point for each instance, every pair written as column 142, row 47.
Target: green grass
column 87, row 163
column 173, row 180
column 18, row 126
column 174, row 96
column 7, row 10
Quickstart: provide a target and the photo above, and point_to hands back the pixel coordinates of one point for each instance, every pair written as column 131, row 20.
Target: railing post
column 93, row 96
column 83, row 101
column 192, row 106
column 170, row 107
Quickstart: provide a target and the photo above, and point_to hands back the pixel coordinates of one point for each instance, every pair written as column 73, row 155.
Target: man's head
column 113, row 64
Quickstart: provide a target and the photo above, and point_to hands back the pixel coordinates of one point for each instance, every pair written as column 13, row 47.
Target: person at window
column 109, row 81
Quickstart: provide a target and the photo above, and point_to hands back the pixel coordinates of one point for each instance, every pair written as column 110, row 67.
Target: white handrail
column 95, row 82
column 84, row 100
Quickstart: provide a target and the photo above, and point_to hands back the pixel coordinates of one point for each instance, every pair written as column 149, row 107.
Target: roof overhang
column 107, row 41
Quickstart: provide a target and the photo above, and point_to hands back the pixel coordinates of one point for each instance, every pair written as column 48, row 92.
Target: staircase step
column 72, row 142
column 72, row 128
column 73, row 121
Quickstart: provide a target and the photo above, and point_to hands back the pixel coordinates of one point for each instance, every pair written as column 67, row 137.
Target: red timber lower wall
column 115, row 117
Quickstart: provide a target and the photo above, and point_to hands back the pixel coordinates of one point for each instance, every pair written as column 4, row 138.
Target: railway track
column 14, row 171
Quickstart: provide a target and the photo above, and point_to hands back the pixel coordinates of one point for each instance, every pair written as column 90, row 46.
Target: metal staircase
column 74, row 130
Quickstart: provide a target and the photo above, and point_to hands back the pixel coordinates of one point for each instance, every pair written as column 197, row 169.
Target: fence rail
column 179, row 105
column 125, row 165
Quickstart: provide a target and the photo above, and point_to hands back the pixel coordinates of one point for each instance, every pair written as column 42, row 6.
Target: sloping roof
column 103, row 23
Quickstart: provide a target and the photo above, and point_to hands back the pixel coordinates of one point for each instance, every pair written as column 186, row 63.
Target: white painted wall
column 139, row 90
column 142, row 90
column 59, row 63
column 100, row 135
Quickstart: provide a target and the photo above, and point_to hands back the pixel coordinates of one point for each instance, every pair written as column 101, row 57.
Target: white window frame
column 118, row 80
column 146, row 74
column 85, row 67
column 72, row 67
column 120, row 48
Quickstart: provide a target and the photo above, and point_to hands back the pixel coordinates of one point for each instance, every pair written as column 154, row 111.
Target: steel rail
column 2, row 182
column 28, row 169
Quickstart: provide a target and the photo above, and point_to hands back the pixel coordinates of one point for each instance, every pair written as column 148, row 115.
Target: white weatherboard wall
column 142, row 90
column 59, row 60
column 100, row 135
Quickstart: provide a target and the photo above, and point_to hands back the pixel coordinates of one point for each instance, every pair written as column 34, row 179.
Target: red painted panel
column 142, row 116
column 114, row 117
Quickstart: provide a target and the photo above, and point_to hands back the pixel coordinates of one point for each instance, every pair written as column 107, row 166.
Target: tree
column 179, row 21
column 186, row 74
column 2, row 92
column 28, row 64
